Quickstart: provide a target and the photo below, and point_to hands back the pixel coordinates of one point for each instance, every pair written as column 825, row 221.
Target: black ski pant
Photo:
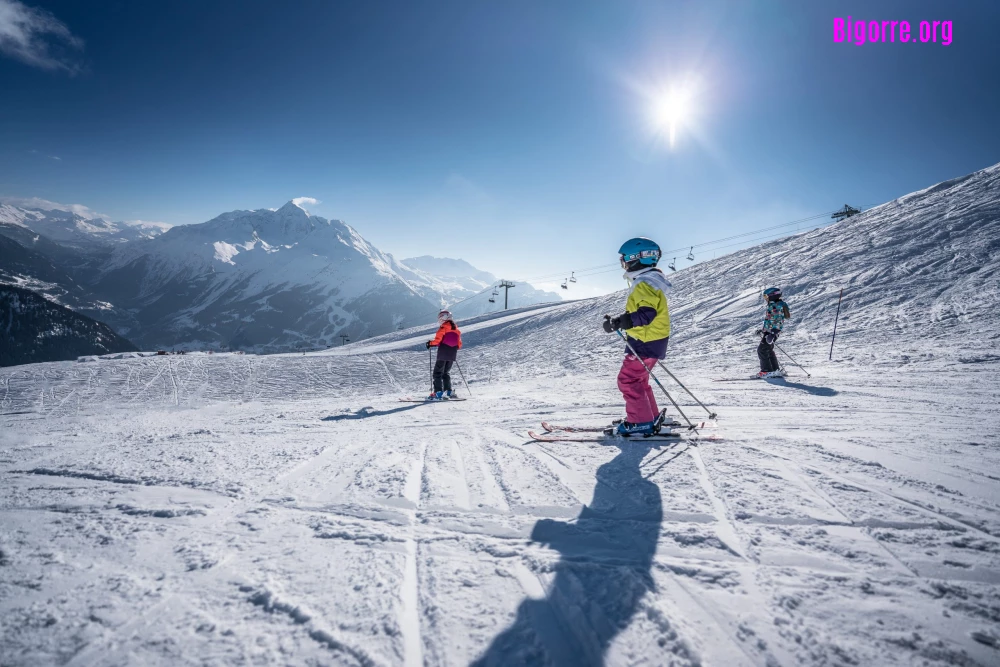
column 768, row 359
column 442, row 375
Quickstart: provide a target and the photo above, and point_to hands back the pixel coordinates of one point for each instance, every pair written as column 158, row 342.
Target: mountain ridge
column 264, row 279
column 37, row 330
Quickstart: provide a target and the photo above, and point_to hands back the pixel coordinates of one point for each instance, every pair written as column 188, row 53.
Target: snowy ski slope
column 228, row 509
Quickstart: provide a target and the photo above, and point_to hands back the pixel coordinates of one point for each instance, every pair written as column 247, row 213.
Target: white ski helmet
column 444, row 316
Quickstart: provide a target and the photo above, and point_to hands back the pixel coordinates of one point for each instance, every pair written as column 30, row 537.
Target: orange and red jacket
column 448, row 334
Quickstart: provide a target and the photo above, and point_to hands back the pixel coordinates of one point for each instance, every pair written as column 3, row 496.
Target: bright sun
column 670, row 110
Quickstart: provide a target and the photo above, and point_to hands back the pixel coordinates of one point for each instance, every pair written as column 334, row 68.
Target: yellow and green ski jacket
column 647, row 310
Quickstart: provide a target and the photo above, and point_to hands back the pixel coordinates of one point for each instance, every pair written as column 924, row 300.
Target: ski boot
column 627, row 429
column 436, row 396
column 450, row 394
column 665, row 423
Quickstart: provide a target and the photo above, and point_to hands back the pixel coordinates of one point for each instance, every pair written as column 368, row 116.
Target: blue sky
column 516, row 134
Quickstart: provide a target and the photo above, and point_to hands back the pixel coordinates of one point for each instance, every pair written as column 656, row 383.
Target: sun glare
column 671, row 109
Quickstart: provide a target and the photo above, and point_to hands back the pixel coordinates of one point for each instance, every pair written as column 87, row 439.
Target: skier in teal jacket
column 775, row 313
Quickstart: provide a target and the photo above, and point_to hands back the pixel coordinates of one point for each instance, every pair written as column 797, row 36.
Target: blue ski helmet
column 773, row 293
column 638, row 252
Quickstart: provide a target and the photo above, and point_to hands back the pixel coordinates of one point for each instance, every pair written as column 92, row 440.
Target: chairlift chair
column 691, row 254
column 572, row 276
column 564, row 285
column 492, row 300
column 673, row 264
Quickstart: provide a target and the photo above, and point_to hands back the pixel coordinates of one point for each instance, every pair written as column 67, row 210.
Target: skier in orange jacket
column 448, row 342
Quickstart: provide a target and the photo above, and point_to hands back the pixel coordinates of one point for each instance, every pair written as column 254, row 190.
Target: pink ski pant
column 633, row 381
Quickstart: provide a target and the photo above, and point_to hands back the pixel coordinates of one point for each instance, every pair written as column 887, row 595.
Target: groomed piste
column 234, row 509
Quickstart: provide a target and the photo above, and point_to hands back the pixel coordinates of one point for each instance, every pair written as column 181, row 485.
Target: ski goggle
column 625, row 260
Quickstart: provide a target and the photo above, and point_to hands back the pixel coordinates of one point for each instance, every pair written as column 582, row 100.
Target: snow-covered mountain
column 460, row 283
column 56, row 271
column 76, row 226
column 264, row 279
column 268, row 280
column 34, row 330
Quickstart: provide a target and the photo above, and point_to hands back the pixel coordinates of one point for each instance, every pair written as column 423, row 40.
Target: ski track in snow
column 354, row 529
column 221, row 509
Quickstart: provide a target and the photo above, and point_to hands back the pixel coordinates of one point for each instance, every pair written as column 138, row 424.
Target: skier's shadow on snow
column 808, row 388
column 602, row 574
column 365, row 413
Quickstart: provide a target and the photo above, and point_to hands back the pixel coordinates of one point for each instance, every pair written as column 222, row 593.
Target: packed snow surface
column 230, row 509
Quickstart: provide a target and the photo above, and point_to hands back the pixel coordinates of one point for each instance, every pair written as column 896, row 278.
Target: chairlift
column 492, row 300
column 564, row 285
column 496, row 293
column 572, row 276
column 691, row 254
column 673, row 264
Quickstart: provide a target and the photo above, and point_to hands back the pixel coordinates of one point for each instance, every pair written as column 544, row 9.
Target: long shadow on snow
column 365, row 413
column 808, row 388
column 602, row 574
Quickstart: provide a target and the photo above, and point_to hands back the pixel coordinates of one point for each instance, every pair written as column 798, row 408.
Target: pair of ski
column 556, row 433
column 751, row 377
column 407, row 399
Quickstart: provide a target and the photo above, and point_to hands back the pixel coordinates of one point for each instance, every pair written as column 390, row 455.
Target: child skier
column 647, row 323
column 775, row 313
column 448, row 341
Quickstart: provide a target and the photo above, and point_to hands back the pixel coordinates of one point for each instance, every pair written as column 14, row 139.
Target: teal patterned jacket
column 774, row 316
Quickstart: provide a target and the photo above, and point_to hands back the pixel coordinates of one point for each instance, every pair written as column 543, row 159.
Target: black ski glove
column 427, row 345
column 623, row 321
column 759, row 332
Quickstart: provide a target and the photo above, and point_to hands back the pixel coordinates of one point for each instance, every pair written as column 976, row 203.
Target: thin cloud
column 34, row 151
column 37, row 38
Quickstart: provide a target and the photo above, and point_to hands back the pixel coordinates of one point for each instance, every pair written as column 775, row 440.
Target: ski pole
column 430, row 365
column 792, row 360
column 463, row 377
column 711, row 415
column 655, row 379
